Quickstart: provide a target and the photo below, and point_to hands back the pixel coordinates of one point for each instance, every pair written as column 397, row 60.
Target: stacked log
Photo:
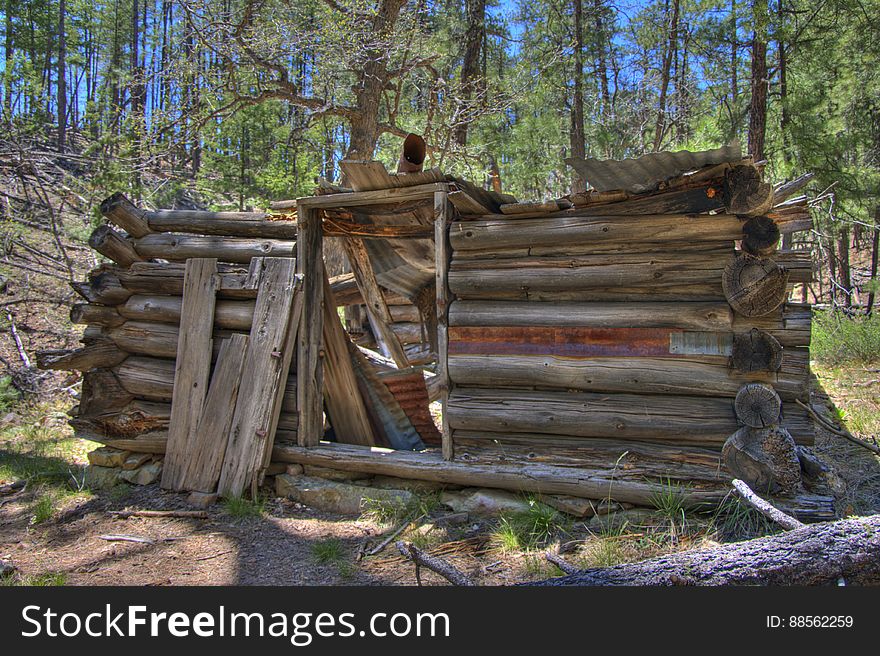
column 132, row 309
column 625, row 326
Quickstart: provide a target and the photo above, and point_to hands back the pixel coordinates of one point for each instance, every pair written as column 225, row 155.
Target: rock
column 333, row 474
column 10, row 419
column 276, row 468
column 6, row 568
column 144, row 475
column 478, row 501
column 571, row 505
column 452, row 519
column 102, row 478
column 394, row 483
column 619, row 521
column 106, row 456
column 335, row 496
column 201, row 499
column 136, row 460
column 294, row 470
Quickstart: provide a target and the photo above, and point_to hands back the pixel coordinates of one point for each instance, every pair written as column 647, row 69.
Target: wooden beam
column 377, row 309
column 111, row 245
column 310, row 376
column 193, row 367
column 356, row 198
column 442, row 253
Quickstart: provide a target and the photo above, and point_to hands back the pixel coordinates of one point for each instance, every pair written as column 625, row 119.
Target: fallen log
column 820, row 554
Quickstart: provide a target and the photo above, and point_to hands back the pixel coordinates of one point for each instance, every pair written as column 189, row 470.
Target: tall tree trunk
column 471, row 64
column 759, row 82
column 577, row 136
column 9, row 54
column 843, row 267
column 62, row 77
column 785, row 112
column 601, row 39
column 875, row 247
column 660, row 128
column 364, row 122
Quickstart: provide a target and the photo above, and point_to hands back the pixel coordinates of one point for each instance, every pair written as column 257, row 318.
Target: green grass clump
column 670, row 506
column 8, row 393
column 395, row 511
column 735, row 520
column 530, row 528
column 243, row 508
column 839, row 339
column 47, row 579
column 328, row 551
column 43, row 508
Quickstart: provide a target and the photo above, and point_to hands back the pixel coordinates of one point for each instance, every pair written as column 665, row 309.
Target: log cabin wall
column 132, row 311
column 580, row 334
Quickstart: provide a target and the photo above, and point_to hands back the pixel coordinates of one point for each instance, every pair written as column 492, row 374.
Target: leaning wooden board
column 266, row 367
column 193, row 366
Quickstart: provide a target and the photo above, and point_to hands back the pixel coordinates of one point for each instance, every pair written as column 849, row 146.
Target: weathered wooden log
column 760, row 236
column 757, row 405
column 222, row 224
column 229, row 314
column 346, row 292
column 226, row 249
column 166, row 278
column 158, row 340
column 560, row 249
column 103, row 392
column 695, row 375
column 482, row 279
column 630, row 460
column 746, row 194
column 694, row 316
column 98, row 353
column 104, row 287
column 679, row 419
column 583, row 482
column 122, row 212
column 766, row 459
column 542, row 232
column 754, row 286
column 152, row 379
column 821, row 554
column 101, row 315
column 111, row 245
column 404, row 313
column 756, row 351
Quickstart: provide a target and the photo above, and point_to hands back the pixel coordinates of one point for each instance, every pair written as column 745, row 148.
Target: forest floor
column 55, row 530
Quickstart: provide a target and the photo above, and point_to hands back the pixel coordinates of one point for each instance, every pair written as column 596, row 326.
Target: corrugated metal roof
column 409, row 388
column 647, row 172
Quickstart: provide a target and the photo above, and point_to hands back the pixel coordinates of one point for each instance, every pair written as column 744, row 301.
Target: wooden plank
column 443, row 216
column 309, row 369
column 345, row 404
column 377, row 310
column 690, row 316
column 205, row 452
column 266, row 369
column 358, row 198
column 193, row 366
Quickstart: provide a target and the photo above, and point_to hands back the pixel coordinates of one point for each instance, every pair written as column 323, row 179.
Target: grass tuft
column 243, row 508
column 839, row 339
column 529, row 529
column 328, row 551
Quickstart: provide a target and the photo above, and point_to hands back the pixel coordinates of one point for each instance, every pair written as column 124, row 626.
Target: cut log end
column 745, row 193
column 757, row 405
column 754, row 286
column 760, row 236
column 755, row 351
column 766, row 459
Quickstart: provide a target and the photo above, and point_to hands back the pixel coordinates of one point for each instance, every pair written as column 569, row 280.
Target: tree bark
column 820, row 554
column 759, row 83
column 577, row 136
column 660, row 128
column 470, row 67
column 62, row 77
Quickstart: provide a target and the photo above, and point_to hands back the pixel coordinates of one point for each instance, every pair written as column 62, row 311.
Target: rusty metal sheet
column 561, row 341
column 647, row 172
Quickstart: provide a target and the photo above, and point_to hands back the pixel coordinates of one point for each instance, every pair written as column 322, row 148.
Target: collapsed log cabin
column 607, row 345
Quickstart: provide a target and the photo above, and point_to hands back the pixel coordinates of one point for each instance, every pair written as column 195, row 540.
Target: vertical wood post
column 442, row 212
column 309, row 374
